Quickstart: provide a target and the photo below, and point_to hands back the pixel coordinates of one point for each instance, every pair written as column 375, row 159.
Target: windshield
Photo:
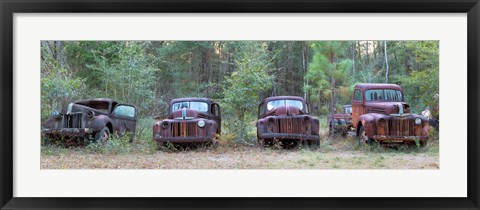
column 277, row 103
column 383, row 95
column 198, row 106
column 348, row 109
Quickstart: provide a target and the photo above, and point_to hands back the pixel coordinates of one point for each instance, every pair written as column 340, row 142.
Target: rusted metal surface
column 287, row 122
column 188, row 125
column 84, row 118
column 71, row 132
column 384, row 119
column 342, row 122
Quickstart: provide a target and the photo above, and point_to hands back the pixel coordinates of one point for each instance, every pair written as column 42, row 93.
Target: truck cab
column 190, row 120
column 286, row 119
column 340, row 123
column 379, row 114
column 93, row 119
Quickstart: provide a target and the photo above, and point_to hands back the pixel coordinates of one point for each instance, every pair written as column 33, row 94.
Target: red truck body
column 380, row 114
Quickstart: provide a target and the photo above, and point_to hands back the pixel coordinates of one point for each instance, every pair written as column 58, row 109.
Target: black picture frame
column 10, row 7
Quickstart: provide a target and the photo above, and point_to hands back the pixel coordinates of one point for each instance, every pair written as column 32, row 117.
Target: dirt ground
column 341, row 154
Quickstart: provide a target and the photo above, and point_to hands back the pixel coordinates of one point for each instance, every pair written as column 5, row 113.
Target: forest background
column 237, row 74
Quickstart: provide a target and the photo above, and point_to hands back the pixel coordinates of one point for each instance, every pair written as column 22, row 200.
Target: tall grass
column 144, row 143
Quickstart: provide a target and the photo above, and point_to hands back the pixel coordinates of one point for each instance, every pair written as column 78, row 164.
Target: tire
column 363, row 139
column 423, row 144
column 330, row 133
column 132, row 138
column 214, row 144
column 160, row 145
column 46, row 140
column 261, row 143
column 102, row 136
column 314, row 144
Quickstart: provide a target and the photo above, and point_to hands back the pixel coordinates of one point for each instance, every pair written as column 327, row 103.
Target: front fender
column 368, row 123
column 97, row 123
column 315, row 125
column 261, row 127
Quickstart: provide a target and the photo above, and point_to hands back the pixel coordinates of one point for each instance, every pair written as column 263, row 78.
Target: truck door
column 357, row 107
column 124, row 119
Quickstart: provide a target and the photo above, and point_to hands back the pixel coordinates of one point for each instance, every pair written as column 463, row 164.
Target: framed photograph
column 239, row 105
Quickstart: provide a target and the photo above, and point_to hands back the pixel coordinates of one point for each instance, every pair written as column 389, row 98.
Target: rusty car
column 190, row 120
column 340, row 123
column 91, row 120
column 379, row 114
column 286, row 119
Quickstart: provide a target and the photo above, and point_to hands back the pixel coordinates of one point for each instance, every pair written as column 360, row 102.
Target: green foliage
column 423, row 85
column 328, row 70
column 244, row 87
column 238, row 74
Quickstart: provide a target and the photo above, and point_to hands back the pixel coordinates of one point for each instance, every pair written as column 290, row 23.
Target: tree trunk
column 386, row 60
column 353, row 60
column 366, row 53
column 332, row 101
column 332, row 86
column 205, row 69
column 304, row 72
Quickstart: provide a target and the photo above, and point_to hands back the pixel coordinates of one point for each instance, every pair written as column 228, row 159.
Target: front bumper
column 399, row 139
column 182, row 139
column 289, row 136
column 68, row 132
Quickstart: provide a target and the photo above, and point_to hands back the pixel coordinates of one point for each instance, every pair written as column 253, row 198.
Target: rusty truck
column 286, row 119
column 91, row 120
column 340, row 123
column 189, row 120
column 379, row 114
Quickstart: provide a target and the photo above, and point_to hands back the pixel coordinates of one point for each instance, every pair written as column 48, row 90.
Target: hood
column 73, row 107
column 185, row 113
column 389, row 108
column 285, row 111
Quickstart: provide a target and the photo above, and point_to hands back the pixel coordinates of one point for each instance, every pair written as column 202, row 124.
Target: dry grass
column 333, row 154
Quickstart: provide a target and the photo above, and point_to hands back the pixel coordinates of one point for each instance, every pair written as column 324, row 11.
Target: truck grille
column 401, row 127
column 73, row 120
column 184, row 129
column 293, row 125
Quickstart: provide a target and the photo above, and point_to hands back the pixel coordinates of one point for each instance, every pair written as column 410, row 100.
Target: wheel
column 102, row 136
column 160, row 145
column 214, row 144
column 261, row 143
column 314, row 144
column 363, row 138
column 423, row 143
column 132, row 137
column 302, row 144
column 46, row 140
column 330, row 129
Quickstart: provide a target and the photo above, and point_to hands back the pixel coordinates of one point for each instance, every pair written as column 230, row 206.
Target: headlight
column 381, row 122
column 165, row 124
column 418, row 121
column 56, row 114
column 201, row 123
column 306, row 119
